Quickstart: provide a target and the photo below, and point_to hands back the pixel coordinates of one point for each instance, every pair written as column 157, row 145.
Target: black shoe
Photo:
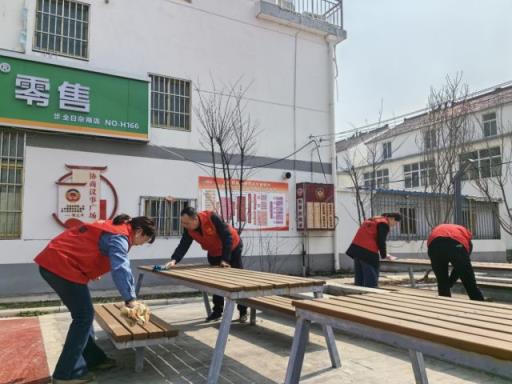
column 214, row 316
column 106, row 364
column 87, row 378
column 243, row 318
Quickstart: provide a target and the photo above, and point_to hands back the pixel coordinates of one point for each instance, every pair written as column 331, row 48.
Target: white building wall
column 223, row 40
column 406, row 150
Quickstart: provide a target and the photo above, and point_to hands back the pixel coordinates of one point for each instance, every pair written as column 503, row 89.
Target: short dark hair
column 189, row 211
column 140, row 222
column 394, row 215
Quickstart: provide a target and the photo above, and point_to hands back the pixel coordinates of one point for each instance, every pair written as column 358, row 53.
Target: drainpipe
column 331, row 44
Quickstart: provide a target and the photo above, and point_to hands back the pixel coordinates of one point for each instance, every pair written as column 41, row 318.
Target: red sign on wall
column 315, row 206
column 80, row 198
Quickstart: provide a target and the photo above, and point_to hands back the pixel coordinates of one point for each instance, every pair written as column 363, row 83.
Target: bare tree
column 230, row 136
column 445, row 136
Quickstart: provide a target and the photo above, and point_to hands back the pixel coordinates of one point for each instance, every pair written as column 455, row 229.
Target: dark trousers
column 236, row 262
column 365, row 275
column 444, row 251
column 80, row 352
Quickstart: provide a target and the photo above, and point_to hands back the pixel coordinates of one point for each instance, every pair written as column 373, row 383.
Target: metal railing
column 329, row 11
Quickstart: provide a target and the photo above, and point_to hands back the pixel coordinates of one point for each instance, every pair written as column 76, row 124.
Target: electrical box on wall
column 315, row 207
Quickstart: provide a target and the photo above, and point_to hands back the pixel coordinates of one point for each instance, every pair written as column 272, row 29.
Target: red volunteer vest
column 208, row 238
column 74, row 255
column 452, row 231
column 366, row 236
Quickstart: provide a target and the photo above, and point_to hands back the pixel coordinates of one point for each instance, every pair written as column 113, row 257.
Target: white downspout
column 331, row 43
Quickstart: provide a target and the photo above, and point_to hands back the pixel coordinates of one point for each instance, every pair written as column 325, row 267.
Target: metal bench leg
column 330, row 340
column 139, row 283
column 220, row 345
column 411, row 277
column 253, row 316
column 207, row 304
column 300, row 338
column 418, row 366
column 139, row 359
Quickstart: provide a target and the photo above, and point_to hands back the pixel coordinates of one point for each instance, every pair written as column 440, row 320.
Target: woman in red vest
column 72, row 259
column 219, row 239
column 369, row 241
column 451, row 244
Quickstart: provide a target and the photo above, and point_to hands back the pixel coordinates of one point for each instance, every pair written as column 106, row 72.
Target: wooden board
column 235, row 280
column 446, row 320
column 456, row 338
column 275, row 303
column 121, row 330
column 110, row 324
column 490, row 306
column 439, row 308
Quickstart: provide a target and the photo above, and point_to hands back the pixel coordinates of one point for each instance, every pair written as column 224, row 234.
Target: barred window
column 380, row 180
column 166, row 214
column 419, row 174
column 170, row 102
column 62, row 28
column 408, row 222
column 12, row 146
column 490, row 125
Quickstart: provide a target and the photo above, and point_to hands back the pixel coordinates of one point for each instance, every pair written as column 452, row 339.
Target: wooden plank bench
column 276, row 304
column 123, row 335
column 474, row 334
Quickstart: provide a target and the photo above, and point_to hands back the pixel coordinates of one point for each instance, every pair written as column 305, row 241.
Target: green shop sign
column 51, row 97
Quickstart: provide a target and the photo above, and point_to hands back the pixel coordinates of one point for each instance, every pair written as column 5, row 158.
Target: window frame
column 187, row 115
column 169, row 231
column 387, row 151
column 84, row 38
column 18, row 186
column 488, row 126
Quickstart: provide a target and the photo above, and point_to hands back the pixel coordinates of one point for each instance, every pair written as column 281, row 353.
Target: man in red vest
column 219, row 239
column 451, row 244
column 72, row 259
column 369, row 241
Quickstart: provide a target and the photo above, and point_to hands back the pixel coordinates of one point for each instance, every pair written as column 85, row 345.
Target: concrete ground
column 255, row 354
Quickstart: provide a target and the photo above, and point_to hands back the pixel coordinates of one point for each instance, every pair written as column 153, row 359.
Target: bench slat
column 272, row 303
column 241, row 275
column 491, row 321
column 110, row 324
column 180, row 274
column 153, row 331
column 497, row 348
column 169, row 330
column 239, row 281
column 490, row 307
column 138, row 333
column 424, row 317
column 424, row 320
column 274, row 278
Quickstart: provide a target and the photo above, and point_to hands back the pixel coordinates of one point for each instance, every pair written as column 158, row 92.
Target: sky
column 397, row 49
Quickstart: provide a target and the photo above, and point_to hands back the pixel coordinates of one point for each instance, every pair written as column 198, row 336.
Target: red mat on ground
column 22, row 355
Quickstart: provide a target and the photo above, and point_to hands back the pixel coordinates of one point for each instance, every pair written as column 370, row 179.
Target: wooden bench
column 123, row 335
column 276, row 304
column 475, row 334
